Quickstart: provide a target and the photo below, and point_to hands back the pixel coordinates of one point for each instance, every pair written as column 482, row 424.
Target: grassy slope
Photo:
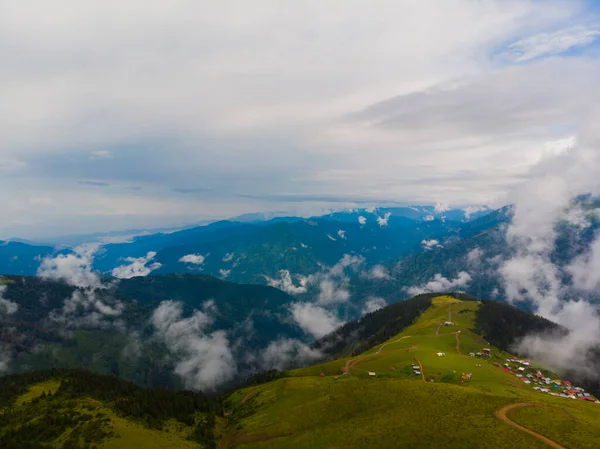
column 123, row 433
column 397, row 409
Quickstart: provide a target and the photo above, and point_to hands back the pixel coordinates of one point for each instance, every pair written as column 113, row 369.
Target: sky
column 143, row 114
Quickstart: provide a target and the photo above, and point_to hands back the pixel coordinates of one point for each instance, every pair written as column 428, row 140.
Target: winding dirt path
column 390, row 342
column 421, row 367
column 437, row 331
column 458, row 343
column 501, row 415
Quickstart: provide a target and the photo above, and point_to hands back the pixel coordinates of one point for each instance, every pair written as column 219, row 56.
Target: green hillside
column 340, row 404
column 430, row 385
column 75, row 409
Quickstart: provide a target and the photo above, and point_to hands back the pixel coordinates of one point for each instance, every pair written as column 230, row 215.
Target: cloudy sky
column 119, row 114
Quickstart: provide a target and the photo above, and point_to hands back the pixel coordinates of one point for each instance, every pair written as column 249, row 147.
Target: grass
column 566, row 424
column 121, row 433
column 133, row 435
column 397, row 409
column 35, row 391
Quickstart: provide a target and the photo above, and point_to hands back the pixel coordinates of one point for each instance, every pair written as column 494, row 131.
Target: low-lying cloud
column 195, row 259
column 137, row 266
column 440, row 283
column 314, row 320
column 203, row 359
column 7, row 307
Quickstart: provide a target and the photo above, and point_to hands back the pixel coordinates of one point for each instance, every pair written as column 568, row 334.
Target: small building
column 521, row 368
column 486, row 351
column 472, row 354
column 322, row 375
column 496, row 364
column 418, row 373
column 372, row 374
column 440, row 354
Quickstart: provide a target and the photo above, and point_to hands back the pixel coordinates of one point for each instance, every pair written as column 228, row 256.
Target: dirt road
column 457, row 343
column 390, row 342
column 501, row 415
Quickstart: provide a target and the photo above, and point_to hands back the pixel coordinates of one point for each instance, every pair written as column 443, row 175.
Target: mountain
column 400, row 393
column 418, row 383
column 22, row 258
column 142, row 329
column 252, row 250
column 74, row 409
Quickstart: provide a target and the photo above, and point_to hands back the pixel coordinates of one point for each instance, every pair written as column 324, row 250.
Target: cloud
column 441, row 208
column 362, row 220
column 377, row 272
column 383, row 221
column 342, row 234
column 474, row 257
column 286, row 352
column 473, row 210
column 373, row 303
column 531, row 273
column 74, row 268
column 314, row 320
column 7, row 307
column 443, row 98
column 441, row 284
column 430, row 244
column 428, row 218
column 88, row 309
column 560, row 41
column 196, row 259
column 585, row 269
column 204, row 360
column 94, row 183
column 224, row 273
column 331, row 238
column 228, row 257
column 100, row 154
column 137, row 266
column 286, row 283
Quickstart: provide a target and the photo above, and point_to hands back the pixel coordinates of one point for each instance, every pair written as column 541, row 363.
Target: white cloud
column 314, row 320
column 85, row 308
column 544, row 44
column 228, row 257
column 224, row 273
column 204, row 360
column 373, row 303
column 441, row 208
column 441, row 284
column 342, row 234
column 473, row 210
column 383, row 221
column 433, row 96
column 286, row 352
column 195, row 259
column 430, row 244
column 544, row 200
column 585, row 269
column 331, row 292
column 362, row 220
column 286, row 283
column 428, row 218
column 371, row 210
column 75, row 268
column 377, row 272
column 137, row 266
column 331, row 238
column 7, row 306
column 474, row 257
